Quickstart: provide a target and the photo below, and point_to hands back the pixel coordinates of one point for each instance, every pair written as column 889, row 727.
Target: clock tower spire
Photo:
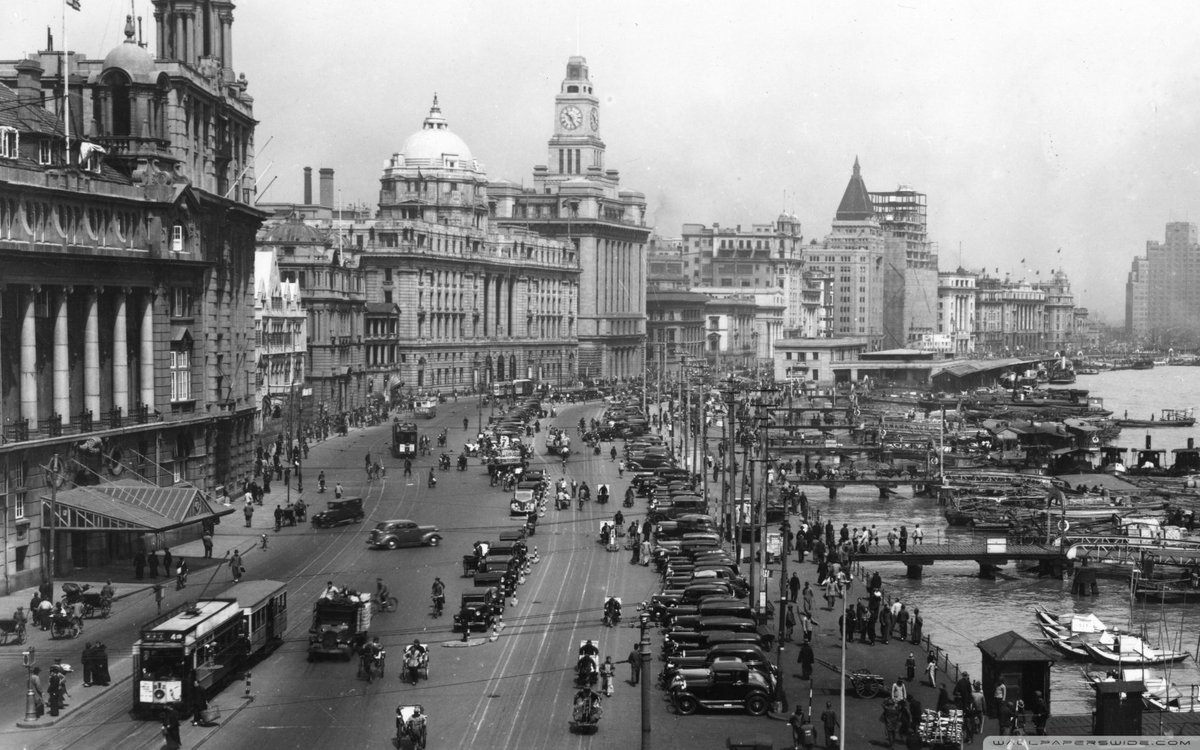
column 576, row 146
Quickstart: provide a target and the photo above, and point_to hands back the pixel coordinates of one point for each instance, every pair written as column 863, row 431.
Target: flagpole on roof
column 66, row 74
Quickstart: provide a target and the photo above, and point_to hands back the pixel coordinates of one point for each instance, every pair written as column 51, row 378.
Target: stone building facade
column 127, row 380
column 576, row 200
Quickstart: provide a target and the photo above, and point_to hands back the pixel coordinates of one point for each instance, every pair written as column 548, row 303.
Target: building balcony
column 84, row 423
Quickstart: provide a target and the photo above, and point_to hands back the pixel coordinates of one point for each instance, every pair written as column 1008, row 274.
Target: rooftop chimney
column 308, row 186
column 29, row 82
column 326, row 187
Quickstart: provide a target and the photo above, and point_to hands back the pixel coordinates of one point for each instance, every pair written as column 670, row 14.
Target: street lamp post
column 644, row 651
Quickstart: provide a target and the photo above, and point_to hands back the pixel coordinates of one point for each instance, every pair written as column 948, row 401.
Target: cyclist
column 382, row 594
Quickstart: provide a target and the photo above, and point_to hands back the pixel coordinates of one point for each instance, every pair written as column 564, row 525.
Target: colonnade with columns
column 126, row 305
column 181, row 33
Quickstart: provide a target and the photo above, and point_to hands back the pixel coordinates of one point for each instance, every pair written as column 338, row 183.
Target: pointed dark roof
column 856, row 202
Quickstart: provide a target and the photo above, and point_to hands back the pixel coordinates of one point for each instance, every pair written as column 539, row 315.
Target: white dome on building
column 434, row 141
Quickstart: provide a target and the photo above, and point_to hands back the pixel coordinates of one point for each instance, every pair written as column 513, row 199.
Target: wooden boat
column 1168, row 418
column 1131, row 651
column 1070, row 648
column 1168, row 592
column 1159, row 696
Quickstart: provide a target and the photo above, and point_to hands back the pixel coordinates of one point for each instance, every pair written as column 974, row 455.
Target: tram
column 404, row 440
column 201, row 645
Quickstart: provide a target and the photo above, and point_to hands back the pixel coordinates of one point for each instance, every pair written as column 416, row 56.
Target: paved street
column 515, row 692
column 512, row 693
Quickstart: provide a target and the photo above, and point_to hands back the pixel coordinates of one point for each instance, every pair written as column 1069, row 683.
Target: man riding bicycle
column 381, row 593
column 372, row 657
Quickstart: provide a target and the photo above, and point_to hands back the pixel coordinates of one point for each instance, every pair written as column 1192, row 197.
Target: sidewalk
column 232, row 533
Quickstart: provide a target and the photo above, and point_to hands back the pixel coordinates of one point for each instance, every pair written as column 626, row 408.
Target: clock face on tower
column 570, row 117
column 594, row 117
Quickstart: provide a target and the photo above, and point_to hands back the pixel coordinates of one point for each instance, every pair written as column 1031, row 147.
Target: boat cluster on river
column 1023, row 458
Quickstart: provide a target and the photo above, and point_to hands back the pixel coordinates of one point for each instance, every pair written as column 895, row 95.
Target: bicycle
column 390, row 604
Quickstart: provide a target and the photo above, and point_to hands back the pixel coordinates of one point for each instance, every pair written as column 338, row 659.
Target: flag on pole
column 74, row 4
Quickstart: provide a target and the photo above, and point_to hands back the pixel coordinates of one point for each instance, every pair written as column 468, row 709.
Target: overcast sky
column 1031, row 126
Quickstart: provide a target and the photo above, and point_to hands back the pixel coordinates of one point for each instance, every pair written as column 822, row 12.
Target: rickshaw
column 12, row 629
column 409, row 733
column 586, row 711
column 423, row 662
column 63, row 626
column 587, row 665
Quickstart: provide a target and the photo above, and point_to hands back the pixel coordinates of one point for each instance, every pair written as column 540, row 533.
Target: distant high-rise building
column 910, row 272
column 852, row 255
column 1174, row 280
column 1137, row 300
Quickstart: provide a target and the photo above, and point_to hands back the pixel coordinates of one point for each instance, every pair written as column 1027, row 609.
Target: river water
column 960, row 609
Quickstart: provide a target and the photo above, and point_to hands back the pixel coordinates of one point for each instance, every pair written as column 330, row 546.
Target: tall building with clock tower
column 576, row 199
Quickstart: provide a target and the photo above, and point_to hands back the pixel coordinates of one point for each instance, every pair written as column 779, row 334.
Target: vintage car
column 523, row 503
column 725, row 684
column 747, row 653
column 403, row 533
column 338, row 512
column 479, row 607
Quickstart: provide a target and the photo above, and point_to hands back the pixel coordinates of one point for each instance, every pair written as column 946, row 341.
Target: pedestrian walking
column 902, row 618
column 806, row 599
column 806, row 627
column 646, row 553
column 917, row 535
column 903, row 539
column 899, row 691
column 408, row 467
column 278, row 518
column 637, row 553
column 805, row 660
column 207, row 540
column 931, row 669
column 794, row 587
column 139, row 565
column 608, row 671
column 885, row 623
column 158, row 596
column 152, row 559
column 35, row 686
column 910, row 667
column 248, row 512
column 918, row 627
column 167, row 559
column 891, row 720
column 100, row 674
column 181, row 574
column 635, row 665
column 170, row 729
column 235, row 566
column 829, row 721
column 789, row 621
column 85, row 661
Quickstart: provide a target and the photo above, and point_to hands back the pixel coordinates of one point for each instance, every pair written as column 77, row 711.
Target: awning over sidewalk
column 130, row 505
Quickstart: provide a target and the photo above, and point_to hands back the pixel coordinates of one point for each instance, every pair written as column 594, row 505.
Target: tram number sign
column 160, row 691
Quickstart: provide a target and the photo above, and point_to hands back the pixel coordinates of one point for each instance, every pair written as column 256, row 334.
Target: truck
column 340, row 625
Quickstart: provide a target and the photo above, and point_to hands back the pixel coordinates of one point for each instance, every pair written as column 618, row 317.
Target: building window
column 387, row 296
column 181, row 302
column 8, row 142
column 44, row 151
column 177, row 239
column 181, row 374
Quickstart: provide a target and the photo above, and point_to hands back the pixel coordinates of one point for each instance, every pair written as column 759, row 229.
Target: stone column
column 178, row 49
column 161, row 30
column 147, row 353
column 91, row 354
column 62, row 357
column 227, row 40
column 29, row 384
column 120, row 357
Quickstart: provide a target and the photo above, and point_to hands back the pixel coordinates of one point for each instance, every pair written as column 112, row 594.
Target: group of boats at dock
column 1086, row 637
column 1124, row 656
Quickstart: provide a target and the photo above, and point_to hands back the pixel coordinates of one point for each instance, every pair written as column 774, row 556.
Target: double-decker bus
column 404, row 440
column 202, row 644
